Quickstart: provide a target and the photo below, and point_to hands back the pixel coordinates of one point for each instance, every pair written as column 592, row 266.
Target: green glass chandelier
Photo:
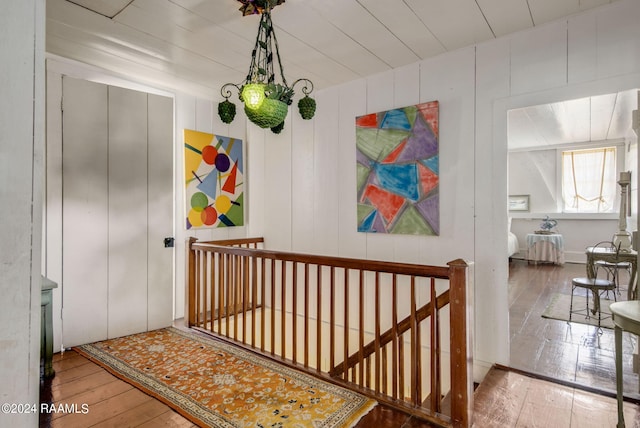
column 266, row 100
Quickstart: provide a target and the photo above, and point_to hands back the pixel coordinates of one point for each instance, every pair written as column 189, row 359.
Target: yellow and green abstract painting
column 214, row 180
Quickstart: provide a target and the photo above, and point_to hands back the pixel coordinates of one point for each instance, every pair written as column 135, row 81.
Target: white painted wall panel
column 330, row 181
column 618, row 39
column 256, row 176
column 539, row 58
column 491, row 317
column 352, row 103
column 303, row 183
column 85, row 213
column 406, row 84
column 277, row 186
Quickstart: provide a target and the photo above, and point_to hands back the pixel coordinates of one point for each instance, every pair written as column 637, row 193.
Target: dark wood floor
column 504, row 399
column 572, row 353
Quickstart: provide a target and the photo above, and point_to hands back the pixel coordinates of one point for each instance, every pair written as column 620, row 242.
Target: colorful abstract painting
column 397, row 171
column 214, row 185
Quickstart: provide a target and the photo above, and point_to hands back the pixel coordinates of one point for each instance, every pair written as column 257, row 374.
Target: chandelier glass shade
column 266, row 98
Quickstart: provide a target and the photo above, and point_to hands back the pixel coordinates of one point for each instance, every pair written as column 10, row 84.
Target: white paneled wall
column 300, row 185
column 303, row 172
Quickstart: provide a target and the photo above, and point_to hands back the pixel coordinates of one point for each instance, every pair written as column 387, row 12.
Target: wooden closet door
column 117, row 208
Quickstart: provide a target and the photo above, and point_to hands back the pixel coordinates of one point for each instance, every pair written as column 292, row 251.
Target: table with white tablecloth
column 547, row 248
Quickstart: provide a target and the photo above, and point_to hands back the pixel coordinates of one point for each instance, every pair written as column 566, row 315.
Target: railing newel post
column 461, row 314
column 190, row 310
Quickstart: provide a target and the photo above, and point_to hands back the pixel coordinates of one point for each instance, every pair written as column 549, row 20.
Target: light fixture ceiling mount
column 266, row 99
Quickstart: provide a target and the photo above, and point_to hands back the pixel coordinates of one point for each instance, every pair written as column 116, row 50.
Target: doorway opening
column 573, row 353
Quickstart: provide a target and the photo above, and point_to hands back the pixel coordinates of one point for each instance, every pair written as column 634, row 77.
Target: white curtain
column 589, row 180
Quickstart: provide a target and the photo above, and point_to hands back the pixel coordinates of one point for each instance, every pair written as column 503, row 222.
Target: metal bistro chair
column 595, row 287
column 613, row 265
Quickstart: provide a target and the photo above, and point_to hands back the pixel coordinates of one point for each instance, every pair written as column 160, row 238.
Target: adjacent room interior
column 560, row 155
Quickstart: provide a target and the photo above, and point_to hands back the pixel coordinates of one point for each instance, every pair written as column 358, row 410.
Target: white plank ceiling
column 590, row 119
column 195, row 46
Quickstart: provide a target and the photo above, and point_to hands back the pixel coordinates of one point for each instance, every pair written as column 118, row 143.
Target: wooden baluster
column 332, row 317
column 418, row 350
column 367, row 364
column 263, row 302
column 377, row 332
column 319, row 318
column 346, row 324
column 205, row 287
column 283, row 315
column 254, row 298
column 245, row 295
column 212, row 289
column 221, row 295
column 199, row 288
column 385, row 372
column 272, row 330
column 401, row 391
column 414, row 352
column 306, row 315
column 294, row 311
column 394, row 341
column 436, row 381
column 212, row 285
column 361, row 327
column 236, row 294
column 230, row 293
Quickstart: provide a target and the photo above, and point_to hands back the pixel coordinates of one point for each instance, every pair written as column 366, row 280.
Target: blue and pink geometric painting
column 214, row 180
column 397, row 171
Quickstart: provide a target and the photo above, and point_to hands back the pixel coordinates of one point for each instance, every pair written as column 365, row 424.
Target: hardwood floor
column 572, row 353
column 504, row 399
column 509, row 399
column 96, row 398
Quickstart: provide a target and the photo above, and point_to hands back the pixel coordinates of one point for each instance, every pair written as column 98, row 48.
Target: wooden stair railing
column 361, row 324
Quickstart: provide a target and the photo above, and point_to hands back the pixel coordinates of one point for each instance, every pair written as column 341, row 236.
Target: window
column 589, row 180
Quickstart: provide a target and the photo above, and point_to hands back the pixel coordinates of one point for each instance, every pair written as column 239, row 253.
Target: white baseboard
column 569, row 256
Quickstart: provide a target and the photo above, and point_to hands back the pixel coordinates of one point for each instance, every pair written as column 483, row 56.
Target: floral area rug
column 218, row 385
